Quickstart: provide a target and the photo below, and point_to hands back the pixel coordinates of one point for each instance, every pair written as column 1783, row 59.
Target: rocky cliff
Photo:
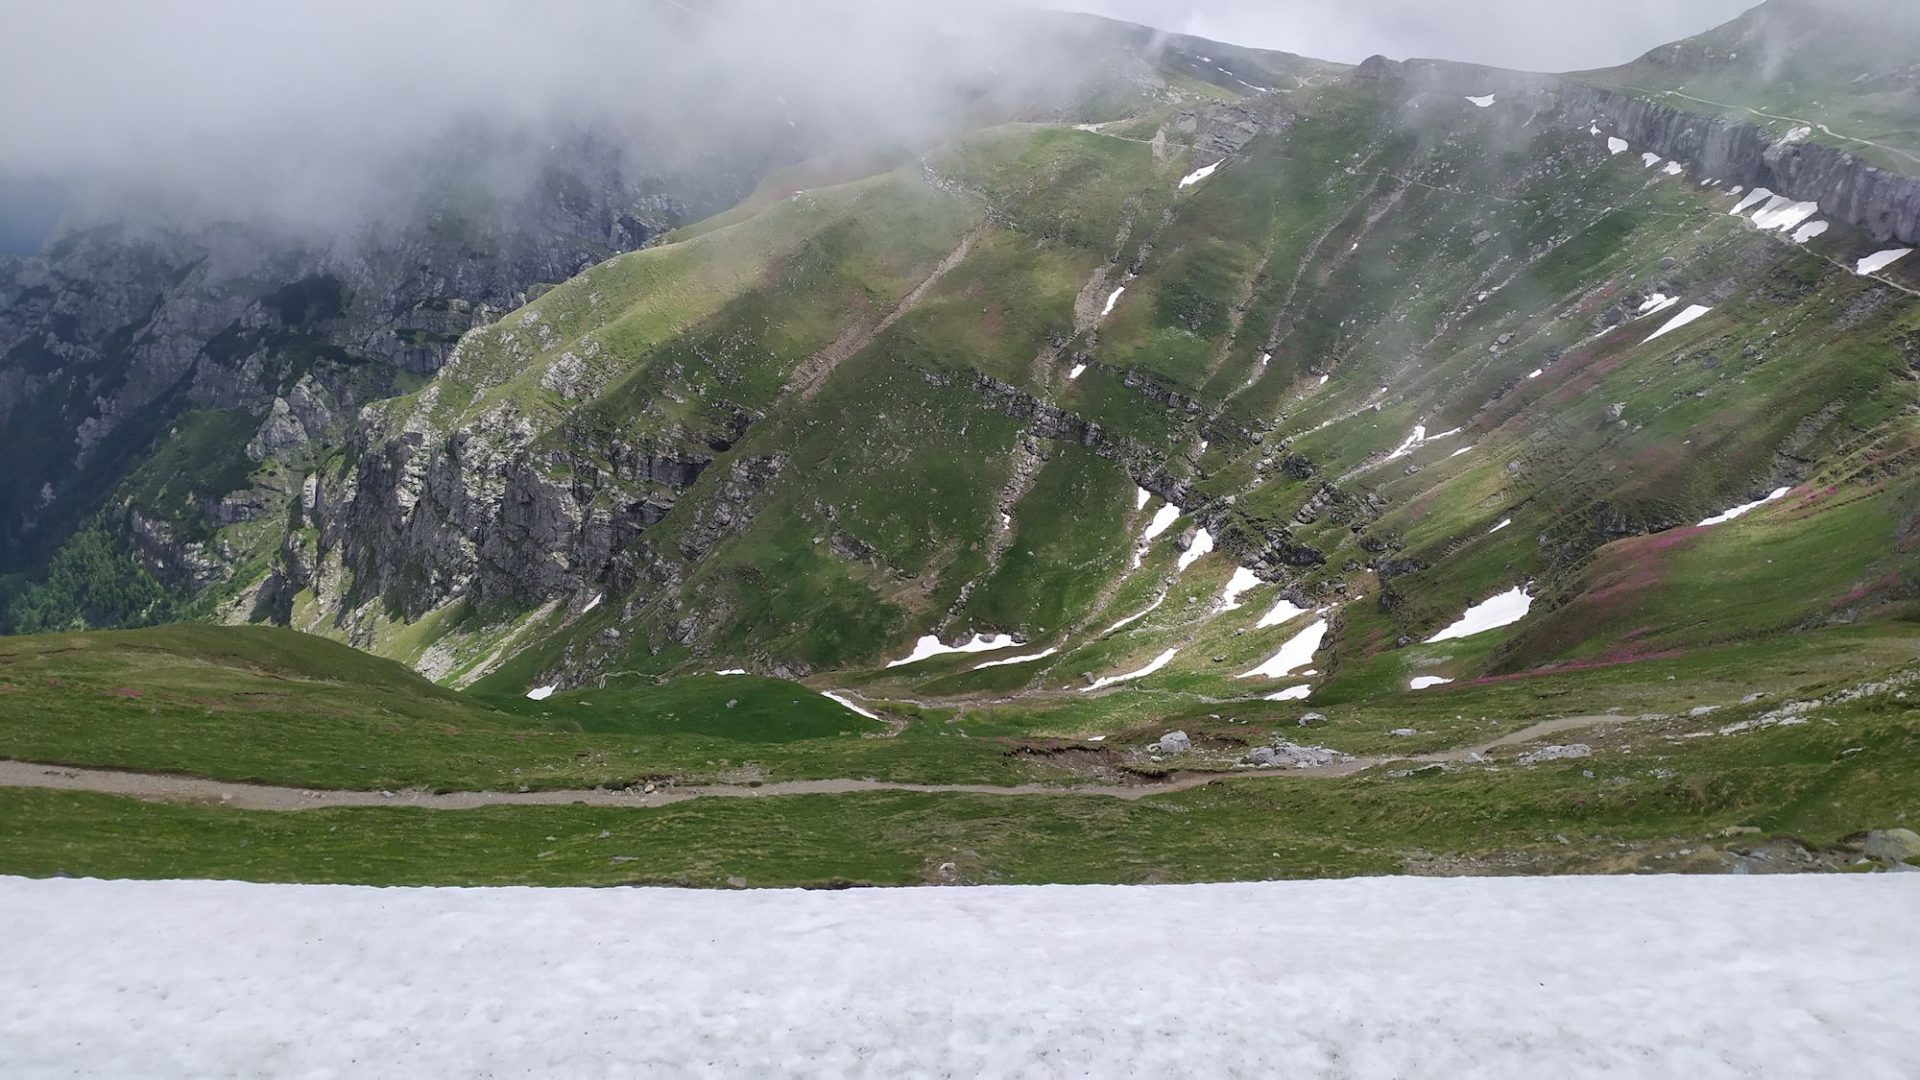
column 1879, row 202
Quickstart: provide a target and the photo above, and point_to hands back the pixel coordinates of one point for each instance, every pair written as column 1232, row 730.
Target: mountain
column 1842, row 70
column 1212, row 395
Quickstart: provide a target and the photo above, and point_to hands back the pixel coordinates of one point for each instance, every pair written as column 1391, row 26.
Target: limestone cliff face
column 1883, row 204
column 122, row 325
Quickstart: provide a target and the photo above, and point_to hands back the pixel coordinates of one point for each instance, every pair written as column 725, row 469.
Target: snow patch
column 1243, row 579
column 1041, row 655
column 1292, row 693
column 1654, row 304
column 1784, row 213
column 1297, row 653
column 836, row 697
column 1202, row 544
column 1285, row 611
column 1423, row 682
column 1503, row 610
column 1504, row 522
column 593, row 603
column 1674, row 168
column 1163, row 520
column 1078, row 370
column 1880, row 260
column 1746, row 508
column 1137, row 616
column 1198, row 175
column 931, row 646
column 1536, row 373
column 1482, row 102
column 1112, row 299
column 1808, row 231
column 1754, row 198
column 541, row 693
column 1649, row 160
column 731, row 671
column 1141, row 496
column 1156, row 664
column 1694, row 311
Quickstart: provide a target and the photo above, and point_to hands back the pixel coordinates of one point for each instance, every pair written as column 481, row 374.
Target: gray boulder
column 1893, row 845
column 1174, row 742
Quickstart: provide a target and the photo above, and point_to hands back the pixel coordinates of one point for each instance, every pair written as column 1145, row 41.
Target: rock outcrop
column 1882, row 203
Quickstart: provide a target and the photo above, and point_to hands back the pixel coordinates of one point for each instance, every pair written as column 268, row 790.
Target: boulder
column 1174, row 742
column 1893, row 845
column 1556, row 753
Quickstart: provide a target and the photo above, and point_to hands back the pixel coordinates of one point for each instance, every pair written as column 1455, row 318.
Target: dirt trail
column 168, row 787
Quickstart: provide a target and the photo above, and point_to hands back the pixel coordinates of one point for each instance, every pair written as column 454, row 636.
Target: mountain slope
column 1386, row 322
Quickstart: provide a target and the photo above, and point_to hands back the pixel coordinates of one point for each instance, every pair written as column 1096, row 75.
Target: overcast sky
column 1538, row 35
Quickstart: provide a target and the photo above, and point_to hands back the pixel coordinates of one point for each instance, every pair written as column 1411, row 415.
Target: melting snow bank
column 1112, row 299
column 931, row 646
column 1141, row 496
column 541, row 693
column 1078, row 370
column 1291, row 693
column 1198, row 175
column 1504, row 522
column 1747, row 508
column 1503, row 610
column 1423, row 682
column 1163, row 520
column 1496, row 977
column 731, row 671
column 1137, row 616
column 836, row 697
column 1482, row 102
column 1694, row 311
column 1617, row 146
column 1283, row 612
column 1202, row 544
column 1880, row 260
column 1157, row 663
column 593, row 603
column 1042, row 655
column 1755, row 197
column 1243, row 579
column 1808, row 231
column 1294, row 655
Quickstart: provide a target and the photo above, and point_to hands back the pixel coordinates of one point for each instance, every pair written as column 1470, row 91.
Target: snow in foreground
column 1503, row 610
column 1702, row 977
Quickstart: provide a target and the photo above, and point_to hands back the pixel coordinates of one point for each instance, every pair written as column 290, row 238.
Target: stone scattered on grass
column 1556, row 753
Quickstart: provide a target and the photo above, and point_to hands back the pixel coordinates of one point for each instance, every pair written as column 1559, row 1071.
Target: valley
column 1242, row 467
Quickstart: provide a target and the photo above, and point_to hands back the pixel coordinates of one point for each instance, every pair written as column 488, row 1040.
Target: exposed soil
column 1123, row 784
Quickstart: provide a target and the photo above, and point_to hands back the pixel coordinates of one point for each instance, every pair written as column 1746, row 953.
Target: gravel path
column 172, row 787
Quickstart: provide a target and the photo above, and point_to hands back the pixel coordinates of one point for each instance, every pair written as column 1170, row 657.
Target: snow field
column 1503, row 610
column 1704, row 977
column 1296, row 654
column 930, row 646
